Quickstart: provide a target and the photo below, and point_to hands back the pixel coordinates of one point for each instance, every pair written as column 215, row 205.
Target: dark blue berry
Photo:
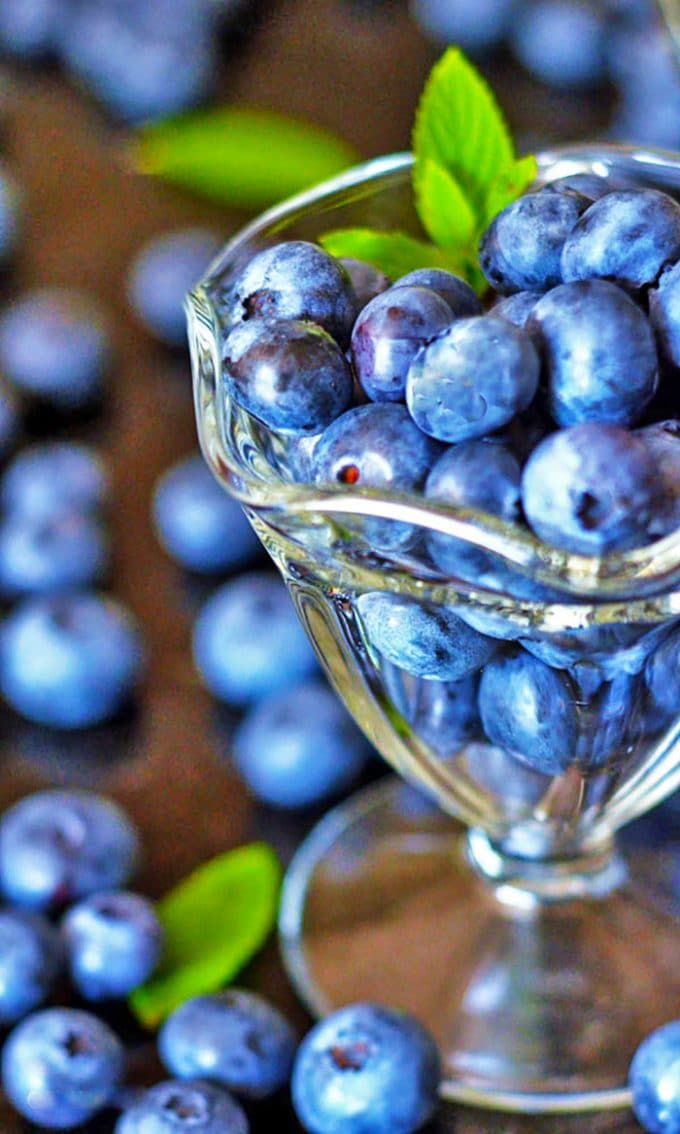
column 456, row 292
column 662, row 440
column 664, row 314
column 113, row 943
column 445, row 714
column 367, row 281
column 516, row 308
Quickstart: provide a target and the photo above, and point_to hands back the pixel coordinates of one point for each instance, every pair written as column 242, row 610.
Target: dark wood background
column 355, row 67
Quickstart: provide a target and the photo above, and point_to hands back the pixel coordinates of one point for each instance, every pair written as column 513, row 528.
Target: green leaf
column 509, row 185
column 393, row 253
column 214, row 921
column 243, row 156
column 443, row 207
column 460, row 126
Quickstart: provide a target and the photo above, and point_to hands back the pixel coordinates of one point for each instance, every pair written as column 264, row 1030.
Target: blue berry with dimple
column 591, row 489
column 445, row 714
column 376, row 446
column 388, row 334
column 54, row 476
column 31, row 957
column 235, row 1038
column 248, row 642
column 113, row 942
column 654, row 1080
column 427, row 641
column 69, row 660
column 174, row 1106
column 162, row 273
column 521, row 248
column 480, row 475
column 60, row 1066
column 627, row 236
column 59, row 846
column 54, row 345
column 460, row 297
column 530, row 709
column 598, row 353
column 365, row 1068
column 295, row 280
column 289, row 373
column 198, row 523
column 58, row 553
column 299, row 747
column 472, row 379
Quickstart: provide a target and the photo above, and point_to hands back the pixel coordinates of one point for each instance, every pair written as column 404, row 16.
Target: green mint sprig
column 213, row 922
column 465, row 171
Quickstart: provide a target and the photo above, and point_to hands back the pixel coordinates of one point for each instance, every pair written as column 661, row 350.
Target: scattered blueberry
column 113, row 942
column 654, row 1080
column 562, row 42
column 174, row 1106
column 31, row 957
column 54, row 477
column 58, row 553
column 162, row 273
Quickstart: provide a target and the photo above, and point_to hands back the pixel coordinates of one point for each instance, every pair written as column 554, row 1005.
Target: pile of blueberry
column 64, row 860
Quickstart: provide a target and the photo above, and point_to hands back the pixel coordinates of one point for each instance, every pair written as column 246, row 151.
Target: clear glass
column 533, row 996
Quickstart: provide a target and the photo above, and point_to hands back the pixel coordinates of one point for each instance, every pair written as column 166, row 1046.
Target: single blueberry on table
column 59, row 846
column 472, row 379
column 388, row 334
column 654, row 1080
column 366, row 280
column 295, row 280
column 598, row 353
column 561, row 43
column 289, row 373
column 235, row 1038
column 627, row 236
column 662, row 440
column 174, row 1106
column 530, row 710
column 427, row 641
column 591, row 489
column 445, row 713
column 248, row 642
column 31, row 958
column 162, row 273
column 113, row 943
column 521, row 248
column 376, row 446
column 54, row 476
column 69, row 660
column 198, row 523
column 299, row 747
column 54, row 345
column 62, row 552
column 664, row 314
column 60, row 1066
column 460, row 297
column 366, row 1068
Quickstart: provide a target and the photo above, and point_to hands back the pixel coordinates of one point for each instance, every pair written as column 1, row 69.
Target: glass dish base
column 537, row 1005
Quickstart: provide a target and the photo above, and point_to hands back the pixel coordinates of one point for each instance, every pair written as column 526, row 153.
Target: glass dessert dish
column 487, row 894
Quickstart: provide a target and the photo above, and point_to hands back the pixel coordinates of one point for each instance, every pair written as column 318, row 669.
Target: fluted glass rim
column 649, row 574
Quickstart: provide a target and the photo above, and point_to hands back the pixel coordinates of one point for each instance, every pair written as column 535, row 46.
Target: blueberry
column 590, row 185
column 291, row 374
column 627, row 236
column 295, row 280
column 162, row 273
column 388, row 334
column 10, row 210
column 444, row 714
column 31, row 958
column 521, row 248
column 654, row 1080
column 376, row 446
column 598, row 353
column 516, row 308
column 367, row 281
column 299, row 747
column 366, row 1068
column 529, row 709
column 477, row 475
column 171, row 1107
column 56, row 476
column 58, row 846
column 612, row 649
column 456, row 292
column 248, row 642
column 662, row 440
column 69, row 660
column 61, row 552
column 427, row 641
column 28, row 28
column 235, row 1038
column 477, row 26
column 61, row 1066
column 54, row 345
column 662, row 676
column 561, row 42
column 113, row 943
column 198, row 523
column 591, row 489
column 664, row 314
column 472, row 379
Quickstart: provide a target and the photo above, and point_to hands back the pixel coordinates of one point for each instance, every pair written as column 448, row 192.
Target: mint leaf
column 393, row 253
column 509, row 185
column 443, row 207
column 214, row 921
column 242, row 157
column 460, row 126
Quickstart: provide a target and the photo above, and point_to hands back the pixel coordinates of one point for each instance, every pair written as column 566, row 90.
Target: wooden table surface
column 352, row 66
